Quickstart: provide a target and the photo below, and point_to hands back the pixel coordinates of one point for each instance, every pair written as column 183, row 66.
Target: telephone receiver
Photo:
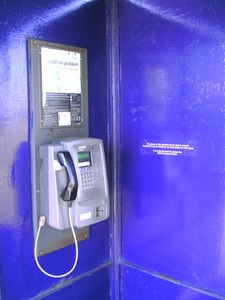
column 70, row 191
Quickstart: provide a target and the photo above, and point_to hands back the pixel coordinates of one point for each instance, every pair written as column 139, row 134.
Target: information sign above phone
column 61, row 88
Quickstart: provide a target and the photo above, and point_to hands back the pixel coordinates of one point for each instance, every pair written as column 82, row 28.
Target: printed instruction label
column 149, row 147
column 61, row 72
column 64, row 118
column 61, row 87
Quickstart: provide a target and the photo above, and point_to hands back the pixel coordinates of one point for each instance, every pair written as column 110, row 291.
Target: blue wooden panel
column 96, row 286
column 77, row 23
column 135, row 284
column 172, row 92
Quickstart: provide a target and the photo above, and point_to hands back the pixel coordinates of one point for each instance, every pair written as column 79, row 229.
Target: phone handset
column 70, row 191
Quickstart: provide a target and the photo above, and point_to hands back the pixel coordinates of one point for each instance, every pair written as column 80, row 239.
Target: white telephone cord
column 41, row 224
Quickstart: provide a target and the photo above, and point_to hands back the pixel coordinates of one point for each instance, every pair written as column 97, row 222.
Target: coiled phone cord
column 41, row 224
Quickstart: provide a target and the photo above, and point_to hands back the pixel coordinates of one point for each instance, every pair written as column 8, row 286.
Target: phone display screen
column 84, row 159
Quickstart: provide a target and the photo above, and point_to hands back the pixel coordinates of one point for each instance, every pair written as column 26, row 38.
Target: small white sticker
column 85, row 216
column 64, row 118
column 57, row 165
column 149, row 147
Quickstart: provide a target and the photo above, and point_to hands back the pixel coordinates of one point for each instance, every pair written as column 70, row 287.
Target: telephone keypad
column 87, row 178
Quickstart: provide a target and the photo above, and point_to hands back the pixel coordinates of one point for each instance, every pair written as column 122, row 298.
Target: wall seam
column 64, row 283
column 170, row 279
column 114, row 141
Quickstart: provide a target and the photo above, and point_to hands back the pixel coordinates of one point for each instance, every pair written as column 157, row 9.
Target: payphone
column 69, row 178
column 73, row 187
column 73, row 170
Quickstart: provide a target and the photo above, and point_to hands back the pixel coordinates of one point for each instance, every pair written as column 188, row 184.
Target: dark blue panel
column 96, row 286
column 172, row 92
column 136, row 284
column 78, row 23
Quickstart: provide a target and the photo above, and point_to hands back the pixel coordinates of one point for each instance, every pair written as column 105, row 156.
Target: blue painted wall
column 172, row 92
column 78, row 23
